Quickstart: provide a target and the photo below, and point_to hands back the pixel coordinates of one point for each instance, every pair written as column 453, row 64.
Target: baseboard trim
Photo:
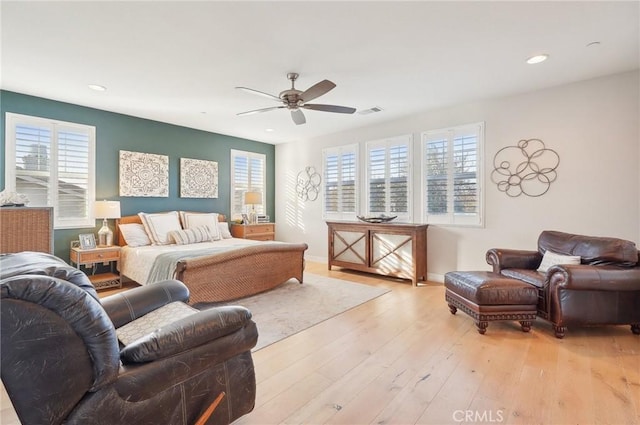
column 432, row 277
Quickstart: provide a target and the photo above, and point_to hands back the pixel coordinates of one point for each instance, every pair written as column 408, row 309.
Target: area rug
column 292, row 307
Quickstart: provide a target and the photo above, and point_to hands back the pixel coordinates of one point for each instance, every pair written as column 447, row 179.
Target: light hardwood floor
column 403, row 358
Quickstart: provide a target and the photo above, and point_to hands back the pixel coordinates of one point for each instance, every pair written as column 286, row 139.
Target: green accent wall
column 115, row 132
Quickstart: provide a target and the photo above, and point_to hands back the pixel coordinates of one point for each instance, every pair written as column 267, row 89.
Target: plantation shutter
column 389, row 177
column 248, row 173
column 53, row 164
column 437, row 178
column 451, row 175
column 340, row 182
column 73, row 175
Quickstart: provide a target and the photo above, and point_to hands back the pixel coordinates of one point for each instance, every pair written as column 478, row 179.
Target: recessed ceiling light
column 269, row 130
column 97, row 87
column 537, row 59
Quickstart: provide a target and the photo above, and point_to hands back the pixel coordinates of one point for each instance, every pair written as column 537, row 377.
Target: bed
column 235, row 268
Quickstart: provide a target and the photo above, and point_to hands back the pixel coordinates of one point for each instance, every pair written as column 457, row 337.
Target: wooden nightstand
column 101, row 255
column 258, row 232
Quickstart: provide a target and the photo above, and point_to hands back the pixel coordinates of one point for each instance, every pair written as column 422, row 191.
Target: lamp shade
column 107, row 209
column 252, row 198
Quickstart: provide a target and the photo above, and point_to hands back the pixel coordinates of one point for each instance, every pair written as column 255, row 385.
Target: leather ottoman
column 488, row 296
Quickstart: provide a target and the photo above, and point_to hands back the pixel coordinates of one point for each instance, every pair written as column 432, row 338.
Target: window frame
column 260, row 208
column 12, row 120
column 387, row 143
column 451, row 217
column 340, row 151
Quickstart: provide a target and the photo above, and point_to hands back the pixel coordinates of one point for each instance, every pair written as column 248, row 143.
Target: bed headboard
column 127, row 219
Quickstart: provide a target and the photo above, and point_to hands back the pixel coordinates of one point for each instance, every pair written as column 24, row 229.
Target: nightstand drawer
column 261, row 237
column 258, row 228
column 258, row 232
column 97, row 257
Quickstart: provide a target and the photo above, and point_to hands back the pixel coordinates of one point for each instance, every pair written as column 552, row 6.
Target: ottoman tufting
column 488, row 296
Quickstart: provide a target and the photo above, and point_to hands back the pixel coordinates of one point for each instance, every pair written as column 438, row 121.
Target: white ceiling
column 178, row 62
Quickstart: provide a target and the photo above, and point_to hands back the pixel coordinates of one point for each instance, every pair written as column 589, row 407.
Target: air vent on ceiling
column 370, row 110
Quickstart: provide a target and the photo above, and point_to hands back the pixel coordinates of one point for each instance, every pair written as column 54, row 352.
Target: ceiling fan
column 294, row 100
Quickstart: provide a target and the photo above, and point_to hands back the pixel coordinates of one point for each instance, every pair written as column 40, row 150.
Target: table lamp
column 106, row 210
column 253, row 198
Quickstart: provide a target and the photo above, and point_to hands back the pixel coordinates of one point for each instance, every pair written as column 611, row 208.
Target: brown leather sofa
column 62, row 362
column 604, row 289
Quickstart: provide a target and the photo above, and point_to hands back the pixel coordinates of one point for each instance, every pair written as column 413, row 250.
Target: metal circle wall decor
column 528, row 168
column 308, row 184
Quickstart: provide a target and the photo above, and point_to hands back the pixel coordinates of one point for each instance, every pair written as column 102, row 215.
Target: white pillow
column 193, row 235
column 193, row 219
column 551, row 259
column 158, row 226
column 224, row 230
column 134, row 234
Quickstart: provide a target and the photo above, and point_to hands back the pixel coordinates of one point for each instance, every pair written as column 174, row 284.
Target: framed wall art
column 144, row 174
column 198, row 178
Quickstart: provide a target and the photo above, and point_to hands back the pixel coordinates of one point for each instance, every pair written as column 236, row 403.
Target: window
column 53, row 164
column 451, row 175
column 248, row 174
column 340, row 168
column 389, row 177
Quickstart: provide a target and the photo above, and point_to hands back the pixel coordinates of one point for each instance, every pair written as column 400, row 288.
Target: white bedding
column 135, row 263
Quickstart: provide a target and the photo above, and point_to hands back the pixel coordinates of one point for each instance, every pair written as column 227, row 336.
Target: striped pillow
column 193, row 219
column 193, row 235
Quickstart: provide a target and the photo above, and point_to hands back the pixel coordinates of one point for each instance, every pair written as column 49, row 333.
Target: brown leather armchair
column 62, row 362
column 604, row 289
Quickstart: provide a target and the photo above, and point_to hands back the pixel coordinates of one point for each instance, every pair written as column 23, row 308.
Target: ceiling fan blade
column 330, row 108
column 316, row 90
column 257, row 111
column 260, row 93
column 298, row 116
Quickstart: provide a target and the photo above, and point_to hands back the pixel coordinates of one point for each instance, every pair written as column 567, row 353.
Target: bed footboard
column 241, row 273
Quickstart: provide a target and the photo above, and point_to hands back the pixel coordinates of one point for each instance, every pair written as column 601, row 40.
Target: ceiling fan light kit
column 295, row 100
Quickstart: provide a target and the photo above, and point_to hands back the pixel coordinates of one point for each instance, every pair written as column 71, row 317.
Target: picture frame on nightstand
column 87, row 241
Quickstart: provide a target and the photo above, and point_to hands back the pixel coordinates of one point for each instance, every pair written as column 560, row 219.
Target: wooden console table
column 390, row 249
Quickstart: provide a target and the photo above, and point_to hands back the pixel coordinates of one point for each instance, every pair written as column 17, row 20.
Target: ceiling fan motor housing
column 291, row 97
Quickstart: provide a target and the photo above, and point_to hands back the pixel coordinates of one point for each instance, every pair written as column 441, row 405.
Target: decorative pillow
column 134, row 234
column 551, row 259
column 158, row 226
column 153, row 321
column 224, row 230
column 194, row 219
column 193, row 235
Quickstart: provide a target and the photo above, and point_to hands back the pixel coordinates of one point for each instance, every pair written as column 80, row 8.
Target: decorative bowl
column 376, row 219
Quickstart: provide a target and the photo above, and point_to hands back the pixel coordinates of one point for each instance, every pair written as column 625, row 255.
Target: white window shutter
column 53, row 164
column 340, row 187
column 452, row 175
column 389, row 177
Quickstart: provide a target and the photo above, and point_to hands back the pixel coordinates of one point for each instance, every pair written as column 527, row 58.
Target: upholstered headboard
column 136, row 219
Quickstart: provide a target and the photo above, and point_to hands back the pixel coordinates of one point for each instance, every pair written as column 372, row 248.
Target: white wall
column 592, row 125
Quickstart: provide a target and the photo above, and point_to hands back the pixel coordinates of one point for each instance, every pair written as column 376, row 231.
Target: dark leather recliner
column 603, row 290
column 62, row 362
